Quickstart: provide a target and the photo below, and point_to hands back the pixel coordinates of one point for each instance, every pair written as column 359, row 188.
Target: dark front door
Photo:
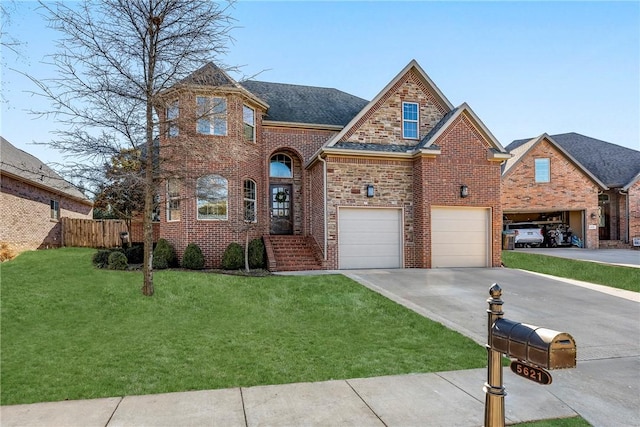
column 281, row 215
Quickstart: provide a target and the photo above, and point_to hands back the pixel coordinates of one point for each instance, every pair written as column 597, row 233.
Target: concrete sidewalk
column 447, row 399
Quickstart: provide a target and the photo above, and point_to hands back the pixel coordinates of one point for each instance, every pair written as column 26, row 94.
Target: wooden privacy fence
column 89, row 233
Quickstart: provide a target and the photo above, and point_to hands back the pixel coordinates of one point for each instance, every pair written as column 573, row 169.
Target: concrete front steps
column 292, row 253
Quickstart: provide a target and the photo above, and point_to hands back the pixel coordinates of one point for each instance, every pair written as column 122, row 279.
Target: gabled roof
column 22, row 165
column 428, row 143
column 613, row 165
column 519, row 149
column 210, row 75
column 413, row 65
column 306, row 104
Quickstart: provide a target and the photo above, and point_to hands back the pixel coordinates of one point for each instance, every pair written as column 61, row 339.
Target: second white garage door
column 459, row 237
column 369, row 238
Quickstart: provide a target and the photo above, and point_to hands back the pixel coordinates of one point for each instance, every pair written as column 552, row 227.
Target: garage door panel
column 369, row 238
column 459, row 237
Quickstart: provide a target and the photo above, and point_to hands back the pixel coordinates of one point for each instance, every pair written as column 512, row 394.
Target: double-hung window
column 542, row 170
column 212, row 197
column 173, row 200
column 55, row 209
column 212, row 115
column 410, row 118
column 250, row 201
column 172, row 119
column 249, row 123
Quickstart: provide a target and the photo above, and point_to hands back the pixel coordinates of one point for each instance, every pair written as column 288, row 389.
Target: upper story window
column 212, row 197
column 212, row 115
column 249, row 121
column 410, row 116
column 280, row 166
column 55, row 209
column 250, row 201
column 173, row 200
column 172, row 118
column 543, row 170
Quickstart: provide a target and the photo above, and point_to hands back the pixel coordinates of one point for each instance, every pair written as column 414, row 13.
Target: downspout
column 324, row 204
column 627, row 215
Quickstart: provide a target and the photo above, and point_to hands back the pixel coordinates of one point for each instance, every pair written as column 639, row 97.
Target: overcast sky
column 525, row 68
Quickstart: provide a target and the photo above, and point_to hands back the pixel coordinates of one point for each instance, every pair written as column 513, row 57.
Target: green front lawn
column 70, row 331
column 560, row 422
column 627, row 278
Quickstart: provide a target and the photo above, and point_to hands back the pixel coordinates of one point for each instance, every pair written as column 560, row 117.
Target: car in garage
column 527, row 234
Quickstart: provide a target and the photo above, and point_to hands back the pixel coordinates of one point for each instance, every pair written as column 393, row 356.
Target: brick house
column 33, row 198
column 330, row 180
column 585, row 183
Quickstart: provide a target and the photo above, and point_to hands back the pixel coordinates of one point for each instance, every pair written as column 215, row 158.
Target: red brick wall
column 25, row 215
column 569, row 188
column 634, row 210
column 463, row 160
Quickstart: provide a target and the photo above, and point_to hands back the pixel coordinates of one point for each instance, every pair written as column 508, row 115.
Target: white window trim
column 172, row 121
column 417, row 121
column 220, row 218
column 54, row 209
column 535, row 170
column 172, row 198
column 211, row 116
column 253, row 125
column 254, row 200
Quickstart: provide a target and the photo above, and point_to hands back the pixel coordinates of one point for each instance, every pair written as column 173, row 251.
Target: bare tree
column 115, row 60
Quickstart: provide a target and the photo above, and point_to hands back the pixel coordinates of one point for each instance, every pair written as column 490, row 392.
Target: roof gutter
column 82, row 200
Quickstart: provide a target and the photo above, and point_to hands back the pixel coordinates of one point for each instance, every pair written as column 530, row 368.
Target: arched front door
column 281, row 194
column 281, row 218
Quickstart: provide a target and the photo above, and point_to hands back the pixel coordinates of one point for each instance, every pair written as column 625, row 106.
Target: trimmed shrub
column 6, row 252
column 256, row 253
column 164, row 255
column 233, row 257
column 117, row 261
column 135, row 254
column 101, row 258
column 193, row 258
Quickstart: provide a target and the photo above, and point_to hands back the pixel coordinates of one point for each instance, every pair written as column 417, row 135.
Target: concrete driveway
column 605, row 386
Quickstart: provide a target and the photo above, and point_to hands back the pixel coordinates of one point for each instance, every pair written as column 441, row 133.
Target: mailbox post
column 532, row 348
column 493, row 388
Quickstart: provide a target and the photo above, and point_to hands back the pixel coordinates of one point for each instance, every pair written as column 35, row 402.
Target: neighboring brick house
column 587, row 184
column 406, row 180
column 33, row 198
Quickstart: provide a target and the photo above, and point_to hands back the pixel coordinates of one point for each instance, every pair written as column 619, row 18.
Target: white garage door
column 369, row 238
column 459, row 237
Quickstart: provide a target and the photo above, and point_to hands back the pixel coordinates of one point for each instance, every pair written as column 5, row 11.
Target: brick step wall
column 613, row 244
column 292, row 253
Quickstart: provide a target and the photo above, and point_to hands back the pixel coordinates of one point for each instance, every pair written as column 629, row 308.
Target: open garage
column 566, row 224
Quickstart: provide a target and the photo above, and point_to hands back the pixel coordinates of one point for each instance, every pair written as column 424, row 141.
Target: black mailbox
column 542, row 347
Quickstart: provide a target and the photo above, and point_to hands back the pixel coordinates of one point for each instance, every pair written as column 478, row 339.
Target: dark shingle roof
column 209, row 75
column 612, row 164
column 306, row 104
column 22, row 164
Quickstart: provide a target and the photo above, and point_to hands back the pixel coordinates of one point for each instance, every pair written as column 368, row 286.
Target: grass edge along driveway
column 70, row 331
column 627, row 278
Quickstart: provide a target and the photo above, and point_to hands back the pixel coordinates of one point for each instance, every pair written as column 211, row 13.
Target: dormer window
column 249, row 123
column 410, row 120
column 212, row 115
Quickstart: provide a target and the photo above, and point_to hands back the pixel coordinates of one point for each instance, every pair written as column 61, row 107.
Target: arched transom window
column 281, row 166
